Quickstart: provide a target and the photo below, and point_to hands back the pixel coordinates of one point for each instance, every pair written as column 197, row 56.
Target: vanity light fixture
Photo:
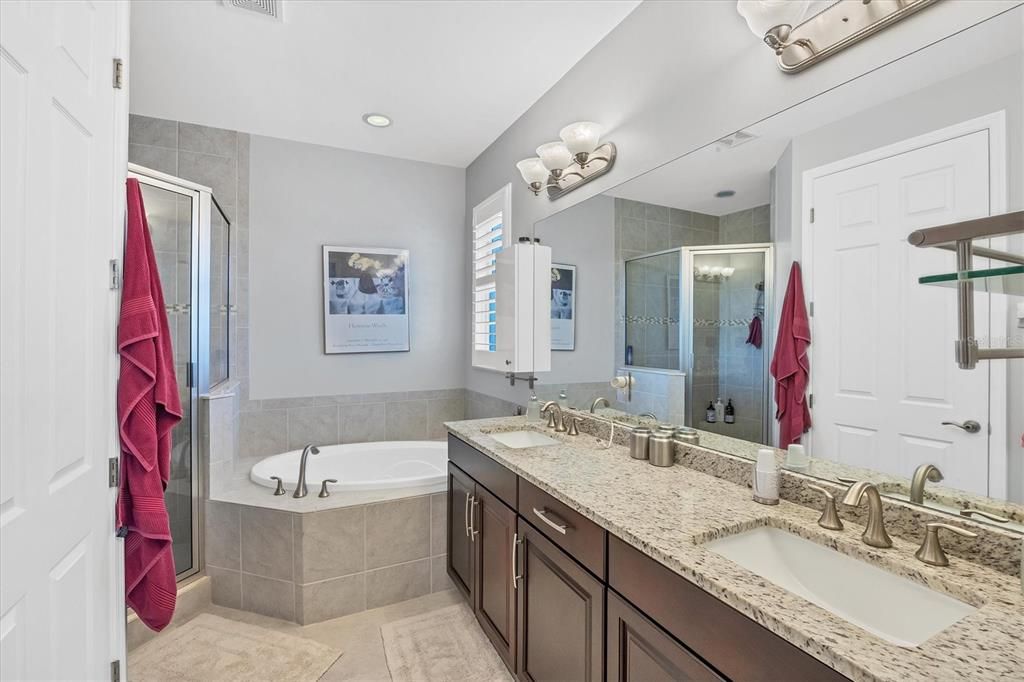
column 799, row 43
column 713, row 273
column 377, row 120
column 561, row 167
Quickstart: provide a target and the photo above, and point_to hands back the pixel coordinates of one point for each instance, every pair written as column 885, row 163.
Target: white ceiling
column 452, row 75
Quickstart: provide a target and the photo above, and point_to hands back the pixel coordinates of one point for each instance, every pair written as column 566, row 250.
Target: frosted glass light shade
column 533, row 170
column 762, row 15
column 728, row 271
column 554, row 155
column 582, row 137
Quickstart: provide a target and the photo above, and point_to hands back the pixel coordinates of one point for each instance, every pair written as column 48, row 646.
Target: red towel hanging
column 790, row 365
column 148, row 407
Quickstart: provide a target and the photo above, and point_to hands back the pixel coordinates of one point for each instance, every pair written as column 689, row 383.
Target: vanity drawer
column 583, row 539
column 491, row 475
column 735, row 645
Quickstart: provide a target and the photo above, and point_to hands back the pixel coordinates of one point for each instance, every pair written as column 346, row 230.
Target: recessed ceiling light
column 725, row 193
column 377, row 120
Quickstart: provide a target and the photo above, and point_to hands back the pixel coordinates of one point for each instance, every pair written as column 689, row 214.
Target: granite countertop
column 667, row 513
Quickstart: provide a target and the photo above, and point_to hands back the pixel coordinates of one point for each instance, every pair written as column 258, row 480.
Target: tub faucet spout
column 300, row 487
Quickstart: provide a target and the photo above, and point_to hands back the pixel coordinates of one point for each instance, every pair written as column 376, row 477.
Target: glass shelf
column 1004, row 280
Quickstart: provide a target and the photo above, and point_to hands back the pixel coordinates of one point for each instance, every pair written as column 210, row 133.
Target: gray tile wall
column 320, row 565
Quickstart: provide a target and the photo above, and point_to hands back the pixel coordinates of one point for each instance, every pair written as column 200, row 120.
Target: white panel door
column 882, row 372
column 61, row 141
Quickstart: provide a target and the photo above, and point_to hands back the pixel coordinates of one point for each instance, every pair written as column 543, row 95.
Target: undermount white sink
column 523, row 439
column 896, row 609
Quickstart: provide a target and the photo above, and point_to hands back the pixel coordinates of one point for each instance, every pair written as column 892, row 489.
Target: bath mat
column 443, row 645
column 209, row 648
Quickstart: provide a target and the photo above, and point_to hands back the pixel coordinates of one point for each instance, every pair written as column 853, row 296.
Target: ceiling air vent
column 267, row 8
column 734, row 140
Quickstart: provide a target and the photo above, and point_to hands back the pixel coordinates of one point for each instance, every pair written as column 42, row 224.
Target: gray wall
column 305, row 196
column 584, row 236
column 640, row 82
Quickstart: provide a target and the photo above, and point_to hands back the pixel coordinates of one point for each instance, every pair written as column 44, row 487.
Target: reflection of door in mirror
column 882, row 379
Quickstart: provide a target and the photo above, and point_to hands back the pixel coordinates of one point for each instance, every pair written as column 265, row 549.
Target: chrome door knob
column 970, row 426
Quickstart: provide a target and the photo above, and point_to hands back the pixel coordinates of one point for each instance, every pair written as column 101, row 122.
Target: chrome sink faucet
column 300, row 487
column 874, row 534
column 923, row 474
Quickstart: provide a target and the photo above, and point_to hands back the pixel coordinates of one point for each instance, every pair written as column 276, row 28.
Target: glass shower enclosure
column 191, row 239
column 700, row 310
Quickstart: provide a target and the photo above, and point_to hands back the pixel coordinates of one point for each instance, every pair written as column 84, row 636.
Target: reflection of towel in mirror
column 754, row 337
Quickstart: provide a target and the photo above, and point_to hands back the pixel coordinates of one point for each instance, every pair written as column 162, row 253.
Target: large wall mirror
column 681, row 274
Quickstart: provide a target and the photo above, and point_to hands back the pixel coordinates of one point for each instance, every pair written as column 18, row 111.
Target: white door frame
column 995, row 125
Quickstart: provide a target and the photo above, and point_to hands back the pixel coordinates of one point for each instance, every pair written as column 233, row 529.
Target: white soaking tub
column 361, row 467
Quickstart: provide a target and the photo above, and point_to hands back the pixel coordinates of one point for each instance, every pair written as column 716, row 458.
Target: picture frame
column 366, row 299
column 563, row 307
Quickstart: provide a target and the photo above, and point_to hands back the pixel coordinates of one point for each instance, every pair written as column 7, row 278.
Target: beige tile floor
column 357, row 637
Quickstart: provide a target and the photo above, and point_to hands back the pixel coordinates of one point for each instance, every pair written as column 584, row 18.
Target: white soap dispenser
column 766, row 477
column 533, row 410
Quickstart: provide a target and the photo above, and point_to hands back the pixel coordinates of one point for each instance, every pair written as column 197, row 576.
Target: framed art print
column 563, row 307
column 366, row 300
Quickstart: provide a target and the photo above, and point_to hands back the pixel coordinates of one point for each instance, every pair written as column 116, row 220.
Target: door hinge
column 189, row 372
column 810, row 400
column 115, row 671
column 118, row 73
column 113, row 472
column 812, row 215
column 810, row 308
column 115, row 274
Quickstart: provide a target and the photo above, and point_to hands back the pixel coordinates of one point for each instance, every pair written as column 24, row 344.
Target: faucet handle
column 829, row 516
column 323, row 487
column 931, row 551
column 574, row 424
column 279, row 490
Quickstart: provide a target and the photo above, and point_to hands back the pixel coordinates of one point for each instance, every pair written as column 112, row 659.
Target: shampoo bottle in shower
column 719, row 410
column 730, row 413
column 710, row 416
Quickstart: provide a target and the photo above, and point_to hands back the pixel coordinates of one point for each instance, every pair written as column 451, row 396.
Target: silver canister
column 638, row 440
column 687, row 436
column 662, row 450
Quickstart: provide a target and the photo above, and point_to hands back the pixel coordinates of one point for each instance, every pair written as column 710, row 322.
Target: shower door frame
column 686, row 314
column 199, row 300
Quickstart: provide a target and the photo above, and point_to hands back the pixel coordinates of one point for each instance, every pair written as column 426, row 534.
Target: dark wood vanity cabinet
column 561, row 613
column 561, row 599
column 460, row 544
column 494, row 534
column 640, row 651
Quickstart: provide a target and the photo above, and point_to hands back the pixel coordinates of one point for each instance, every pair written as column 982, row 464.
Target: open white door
column 886, row 390
column 63, row 149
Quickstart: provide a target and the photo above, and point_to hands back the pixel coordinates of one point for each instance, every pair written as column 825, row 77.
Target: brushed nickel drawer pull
column 465, row 513
column 543, row 515
column 473, row 532
column 515, row 563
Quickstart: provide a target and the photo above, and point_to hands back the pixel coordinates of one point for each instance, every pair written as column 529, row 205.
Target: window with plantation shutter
column 488, row 240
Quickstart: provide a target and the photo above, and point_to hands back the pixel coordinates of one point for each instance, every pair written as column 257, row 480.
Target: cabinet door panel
column 494, row 526
column 640, row 651
column 561, row 614
column 460, row 545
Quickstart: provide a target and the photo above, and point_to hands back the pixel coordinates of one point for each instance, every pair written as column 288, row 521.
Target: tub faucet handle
column 279, row 490
column 323, row 487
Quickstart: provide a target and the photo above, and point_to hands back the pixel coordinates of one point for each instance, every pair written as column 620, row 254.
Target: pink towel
column 754, row 336
column 148, row 407
column 790, row 366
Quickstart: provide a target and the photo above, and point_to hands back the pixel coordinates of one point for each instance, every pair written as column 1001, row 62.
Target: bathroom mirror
column 681, row 275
